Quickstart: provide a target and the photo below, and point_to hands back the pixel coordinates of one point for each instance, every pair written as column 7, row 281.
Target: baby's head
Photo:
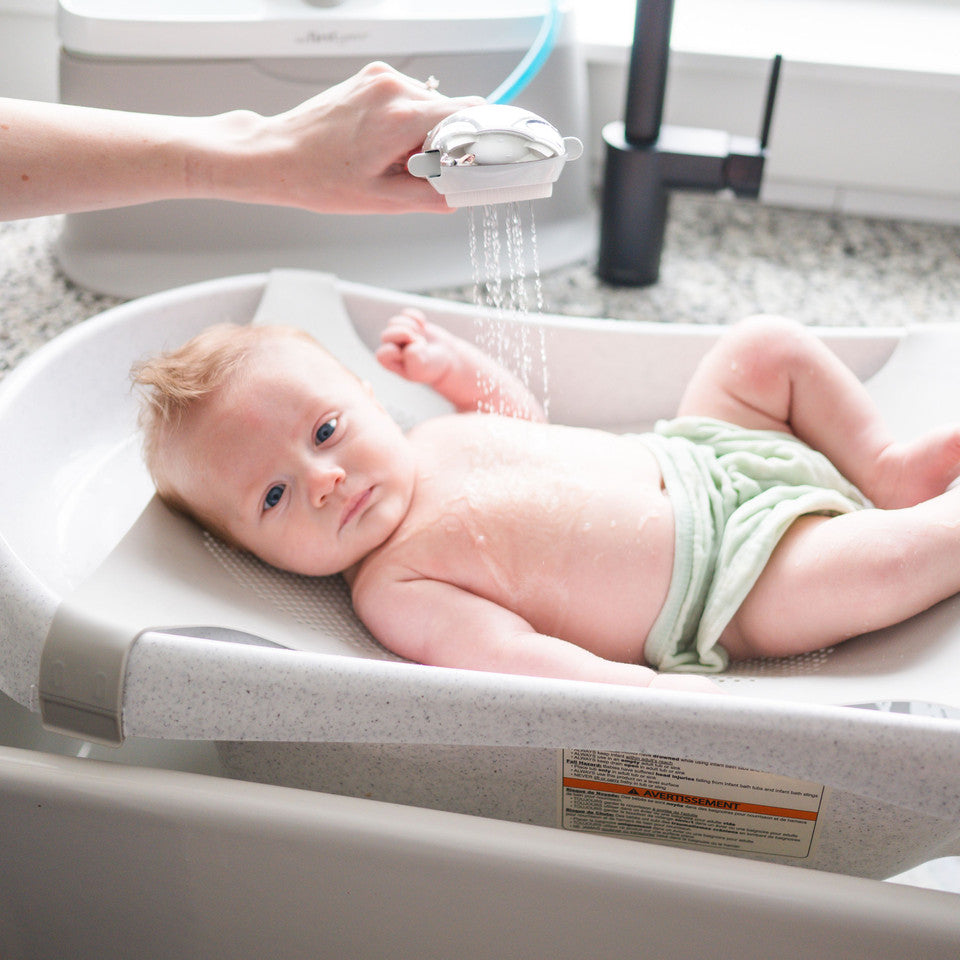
column 265, row 439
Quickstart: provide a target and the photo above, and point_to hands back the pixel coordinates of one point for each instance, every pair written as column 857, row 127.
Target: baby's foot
column 914, row 471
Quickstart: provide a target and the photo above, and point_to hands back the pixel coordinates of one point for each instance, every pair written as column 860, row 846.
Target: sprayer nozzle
column 493, row 153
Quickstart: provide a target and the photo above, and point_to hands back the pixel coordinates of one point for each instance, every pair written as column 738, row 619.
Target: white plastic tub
column 882, row 785
column 107, row 862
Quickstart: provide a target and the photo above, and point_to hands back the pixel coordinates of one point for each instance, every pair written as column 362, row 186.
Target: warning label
column 684, row 802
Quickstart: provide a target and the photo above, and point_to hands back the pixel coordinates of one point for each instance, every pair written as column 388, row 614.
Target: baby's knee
column 767, row 332
column 764, row 347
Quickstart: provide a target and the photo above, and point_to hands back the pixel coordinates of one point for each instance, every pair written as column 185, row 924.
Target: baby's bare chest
column 570, row 529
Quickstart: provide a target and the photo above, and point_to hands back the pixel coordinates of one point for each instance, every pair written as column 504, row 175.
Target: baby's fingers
column 402, row 329
column 390, row 355
column 417, row 317
column 409, row 319
column 412, row 360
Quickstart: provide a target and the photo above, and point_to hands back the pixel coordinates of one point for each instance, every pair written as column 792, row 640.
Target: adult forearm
column 342, row 151
column 63, row 159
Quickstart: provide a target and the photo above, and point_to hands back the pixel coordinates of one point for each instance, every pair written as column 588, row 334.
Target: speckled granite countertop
column 723, row 260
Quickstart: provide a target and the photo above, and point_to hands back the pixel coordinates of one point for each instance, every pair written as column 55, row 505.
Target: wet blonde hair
column 171, row 385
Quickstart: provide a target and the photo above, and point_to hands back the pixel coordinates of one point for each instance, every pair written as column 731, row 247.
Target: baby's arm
column 443, row 625
column 471, row 380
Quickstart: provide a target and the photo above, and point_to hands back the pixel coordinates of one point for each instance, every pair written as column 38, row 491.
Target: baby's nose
column 323, row 480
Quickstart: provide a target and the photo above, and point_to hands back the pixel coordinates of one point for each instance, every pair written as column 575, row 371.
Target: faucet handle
column 743, row 169
column 772, row 83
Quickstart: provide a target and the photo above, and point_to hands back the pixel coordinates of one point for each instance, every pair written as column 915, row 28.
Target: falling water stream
column 506, row 277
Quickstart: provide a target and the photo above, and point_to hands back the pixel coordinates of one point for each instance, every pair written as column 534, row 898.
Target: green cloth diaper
column 734, row 492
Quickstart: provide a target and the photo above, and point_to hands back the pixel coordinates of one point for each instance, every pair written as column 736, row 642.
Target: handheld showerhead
column 493, row 153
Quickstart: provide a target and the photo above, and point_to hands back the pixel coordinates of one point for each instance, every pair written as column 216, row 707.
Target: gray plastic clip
column 82, row 672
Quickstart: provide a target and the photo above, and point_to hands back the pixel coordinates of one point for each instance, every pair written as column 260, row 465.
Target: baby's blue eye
column 326, row 431
column 273, row 497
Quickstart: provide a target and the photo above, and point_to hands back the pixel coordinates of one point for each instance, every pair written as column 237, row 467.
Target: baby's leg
column 831, row 578
column 772, row 374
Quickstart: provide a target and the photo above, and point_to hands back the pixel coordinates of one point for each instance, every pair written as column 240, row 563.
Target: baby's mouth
column 355, row 506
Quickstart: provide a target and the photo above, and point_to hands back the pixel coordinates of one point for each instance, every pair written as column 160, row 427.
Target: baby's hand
column 415, row 349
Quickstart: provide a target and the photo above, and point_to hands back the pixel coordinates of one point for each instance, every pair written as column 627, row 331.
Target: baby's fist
column 414, row 348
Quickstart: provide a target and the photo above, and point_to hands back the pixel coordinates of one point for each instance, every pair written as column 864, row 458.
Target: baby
column 774, row 516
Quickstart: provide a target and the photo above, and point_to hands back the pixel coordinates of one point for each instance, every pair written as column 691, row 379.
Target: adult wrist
column 224, row 157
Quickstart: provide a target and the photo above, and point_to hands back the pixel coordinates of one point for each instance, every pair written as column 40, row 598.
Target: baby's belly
column 603, row 587
column 570, row 529
column 593, row 570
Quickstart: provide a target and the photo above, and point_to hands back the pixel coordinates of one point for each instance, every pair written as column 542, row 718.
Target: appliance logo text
column 330, row 37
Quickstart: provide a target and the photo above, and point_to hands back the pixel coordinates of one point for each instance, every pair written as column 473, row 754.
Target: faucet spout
column 645, row 160
column 647, row 80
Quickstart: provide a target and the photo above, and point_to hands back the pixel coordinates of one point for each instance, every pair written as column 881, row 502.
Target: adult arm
column 342, row 151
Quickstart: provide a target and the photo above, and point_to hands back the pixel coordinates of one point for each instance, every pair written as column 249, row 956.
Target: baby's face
column 297, row 460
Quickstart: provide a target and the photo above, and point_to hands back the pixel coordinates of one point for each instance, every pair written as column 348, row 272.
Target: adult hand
column 346, row 150
column 342, row 151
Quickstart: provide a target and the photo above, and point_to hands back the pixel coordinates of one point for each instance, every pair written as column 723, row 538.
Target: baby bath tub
column 161, row 635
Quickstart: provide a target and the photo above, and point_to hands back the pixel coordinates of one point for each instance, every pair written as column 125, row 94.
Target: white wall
column 850, row 138
column 855, row 140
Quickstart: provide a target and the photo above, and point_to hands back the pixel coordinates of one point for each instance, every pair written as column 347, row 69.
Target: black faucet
column 644, row 161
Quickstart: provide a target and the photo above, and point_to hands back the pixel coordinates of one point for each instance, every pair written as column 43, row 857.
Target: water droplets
column 507, row 283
